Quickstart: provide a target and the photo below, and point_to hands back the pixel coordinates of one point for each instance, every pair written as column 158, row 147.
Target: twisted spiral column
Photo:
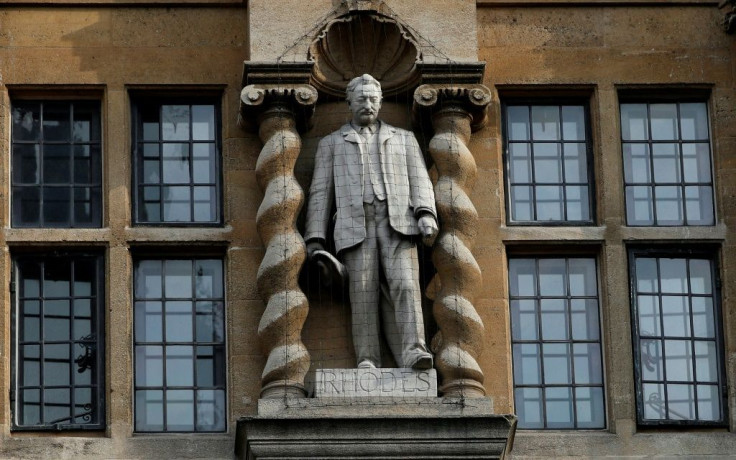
column 281, row 325
column 453, row 114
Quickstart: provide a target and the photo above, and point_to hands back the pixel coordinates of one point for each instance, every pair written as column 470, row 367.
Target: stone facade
column 596, row 51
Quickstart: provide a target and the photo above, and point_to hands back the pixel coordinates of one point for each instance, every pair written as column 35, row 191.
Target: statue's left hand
column 428, row 228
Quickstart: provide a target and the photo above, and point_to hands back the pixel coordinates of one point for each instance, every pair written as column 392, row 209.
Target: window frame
column 98, row 213
column 706, row 251
column 139, row 99
column 163, row 257
column 676, row 96
column 550, row 101
column 566, row 256
column 99, row 330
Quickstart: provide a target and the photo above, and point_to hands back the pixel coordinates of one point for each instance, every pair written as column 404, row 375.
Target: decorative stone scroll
column 278, row 110
column 454, row 111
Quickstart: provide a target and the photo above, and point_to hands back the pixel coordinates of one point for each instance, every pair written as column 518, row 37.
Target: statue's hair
column 364, row 79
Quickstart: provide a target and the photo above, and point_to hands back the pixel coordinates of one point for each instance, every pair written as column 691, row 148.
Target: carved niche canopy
column 364, row 42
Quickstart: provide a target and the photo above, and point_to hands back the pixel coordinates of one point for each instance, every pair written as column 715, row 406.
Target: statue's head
column 364, row 99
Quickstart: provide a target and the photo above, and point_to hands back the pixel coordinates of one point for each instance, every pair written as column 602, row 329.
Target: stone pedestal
column 375, row 428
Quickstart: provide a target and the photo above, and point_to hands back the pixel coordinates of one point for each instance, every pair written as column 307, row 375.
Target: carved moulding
column 278, row 110
column 364, row 42
column 454, row 111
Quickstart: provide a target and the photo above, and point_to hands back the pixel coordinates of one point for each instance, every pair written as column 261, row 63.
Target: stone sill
column 95, row 236
column 595, row 234
column 122, row 3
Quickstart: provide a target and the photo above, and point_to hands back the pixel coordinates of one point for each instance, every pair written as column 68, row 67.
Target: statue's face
column 364, row 103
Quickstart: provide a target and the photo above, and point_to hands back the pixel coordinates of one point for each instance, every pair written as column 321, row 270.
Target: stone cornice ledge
column 491, row 3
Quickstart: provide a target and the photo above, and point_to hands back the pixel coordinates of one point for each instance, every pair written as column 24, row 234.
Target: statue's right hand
column 314, row 246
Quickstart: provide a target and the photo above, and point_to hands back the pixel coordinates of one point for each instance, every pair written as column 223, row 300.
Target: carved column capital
column 298, row 99
column 471, row 98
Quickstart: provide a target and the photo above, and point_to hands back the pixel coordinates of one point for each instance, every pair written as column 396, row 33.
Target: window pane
column 664, row 121
column 681, row 402
column 669, row 205
column 699, row 205
column 179, row 366
column 518, row 122
column 178, row 279
column 549, row 203
column 634, row 122
column 573, row 123
column 528, row 402
column 651, row 360
column 210, row 322
column 175, row 122
column 709, row 403
column 203, row 122
column 26, row 163
column 547, row 164
column 521, row 203
column 26, row 206
column 678, row 360
column 706, row 362
column 554, row 319
column 520, row 169
column 57, row 205
column 56, row 118
column 527, row 365
column 86, row 127
column 639, row 206
column 556, row 358
column 26, row 121
column 177, row 204
column 522, row 277
column 576, row 163
column 545, row 123
column 148, row 322
column 647, row 277
column 87, row 167
column 208, row 279
column 180, row 410
column 676, row 315
column 179, row 325
column 673, row 273
column 582, row 277
column 649, row 320
column 637, row 167
column 148, row 279
column 589, row 407
column 576, row 198
column 204, row 164
column 703, row 320
column 552, row 277
column 176, row 163
column 559, row 407
column 587, row 363
column 666, row 163
column 653, row 396
column 524, row 320
column 696, row 162
column 149, row 366
column 57, row 164
column 584, row 313
column 211, row 410
column 204, row 204
column 149, row 410
column 694, row 118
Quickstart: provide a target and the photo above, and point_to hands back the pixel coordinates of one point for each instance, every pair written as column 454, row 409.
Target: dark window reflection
column 56, row 164
column 179, row 333
column 59, row 349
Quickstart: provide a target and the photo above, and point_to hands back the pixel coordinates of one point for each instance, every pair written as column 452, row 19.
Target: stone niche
column 313, row 403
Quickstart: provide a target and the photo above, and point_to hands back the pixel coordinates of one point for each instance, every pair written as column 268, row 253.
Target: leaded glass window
column 556, row 343
column 667, row 164
column 58, row 362
column 677, row 339
column 56, row 176
column 179, row 345
column 177, row 163
column 548, row 164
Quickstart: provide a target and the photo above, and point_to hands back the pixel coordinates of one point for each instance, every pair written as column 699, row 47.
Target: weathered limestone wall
column 107, row 51
column 602, row 49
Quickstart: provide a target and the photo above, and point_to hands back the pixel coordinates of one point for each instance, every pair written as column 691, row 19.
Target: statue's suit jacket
column 338, row 179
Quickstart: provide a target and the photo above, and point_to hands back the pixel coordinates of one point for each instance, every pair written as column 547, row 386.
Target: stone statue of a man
column 375, row 175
